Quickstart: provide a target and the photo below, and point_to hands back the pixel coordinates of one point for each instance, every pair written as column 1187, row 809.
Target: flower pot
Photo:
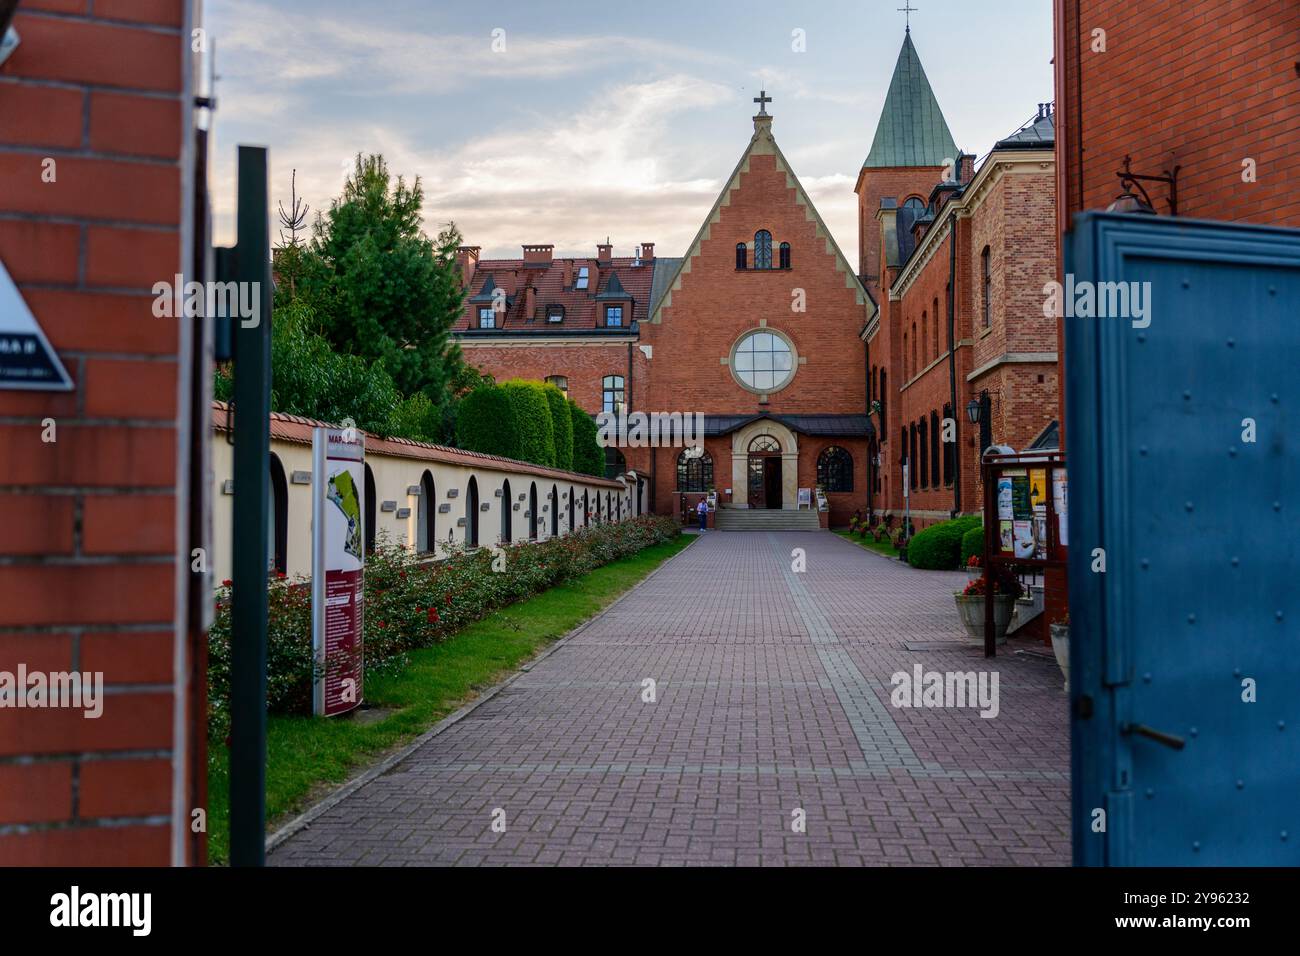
column 1061, row 647
column 971, row 610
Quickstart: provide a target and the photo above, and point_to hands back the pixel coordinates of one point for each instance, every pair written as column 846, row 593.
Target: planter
column 971, row 610
column 1061, row 646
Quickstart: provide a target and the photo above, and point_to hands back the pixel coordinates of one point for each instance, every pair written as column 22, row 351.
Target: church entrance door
column 765, row 472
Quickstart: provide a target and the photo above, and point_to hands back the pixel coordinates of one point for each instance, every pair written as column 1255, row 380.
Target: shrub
column 938, row 547
column 972, row 543
column 533, row 414
column 562, row 423
column 588, row 456
column 486, row 421
column 412, row 603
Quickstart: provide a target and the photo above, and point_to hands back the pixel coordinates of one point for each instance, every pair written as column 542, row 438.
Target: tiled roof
column 912, row 130
column 549, row 288
column 836, row 426
column 297, row 429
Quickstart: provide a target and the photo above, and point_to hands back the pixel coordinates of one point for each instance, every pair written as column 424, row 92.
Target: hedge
column 486, row 421
column 588, row 456
column 533, row 413
column 411, row 603
column 938, row 547
column 562, row 423
column 972, row 542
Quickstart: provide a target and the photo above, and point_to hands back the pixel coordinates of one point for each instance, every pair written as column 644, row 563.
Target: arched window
column 987, row 287
column 425, row 538
column 277, row 525
column 935, row 313
column 762, row 249
column 615, row 463
column 905, row 354
column 764, row 445
column 925, row 337
column 911, row 457
column 609, row 507
column 471, row 513
column 915, row 368
column 921, row 430
column 875, row 372
column 934, row 449
column 835, row 469
column 884, row 404
column 694, row 473
column 785, row 255
column 532, row 512
column 507, row 510
column 611, row 395
column 618, row 507
column 555, row 512
column 572, row 506
column 586, row 509
column 370, row 510
column 916, row 205
column 742, row 256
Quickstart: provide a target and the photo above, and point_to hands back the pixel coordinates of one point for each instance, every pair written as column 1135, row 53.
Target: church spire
column 912, row 130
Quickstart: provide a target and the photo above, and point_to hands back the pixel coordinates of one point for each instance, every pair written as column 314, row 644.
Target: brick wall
column 89, row 575
column 1006, row 212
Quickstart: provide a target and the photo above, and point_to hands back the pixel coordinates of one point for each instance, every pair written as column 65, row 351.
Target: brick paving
column 772, row 695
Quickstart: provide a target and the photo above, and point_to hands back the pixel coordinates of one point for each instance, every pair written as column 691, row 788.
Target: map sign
column 338, row 568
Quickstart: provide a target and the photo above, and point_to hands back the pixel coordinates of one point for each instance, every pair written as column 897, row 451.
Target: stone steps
column 753, row 519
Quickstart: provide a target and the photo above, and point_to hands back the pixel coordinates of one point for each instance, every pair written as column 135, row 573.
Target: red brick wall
column 1010, row 219
column 584, row 365
column 88, row 567
column 1199, row 83
column 893, row 182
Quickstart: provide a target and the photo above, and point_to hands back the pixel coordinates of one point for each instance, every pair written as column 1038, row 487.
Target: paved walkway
column 772, row 697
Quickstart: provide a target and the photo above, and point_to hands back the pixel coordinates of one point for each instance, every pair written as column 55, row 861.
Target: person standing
column 702, row 509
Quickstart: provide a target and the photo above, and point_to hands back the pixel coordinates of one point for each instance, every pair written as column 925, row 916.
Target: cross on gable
column 762, row 99
column 907, row 10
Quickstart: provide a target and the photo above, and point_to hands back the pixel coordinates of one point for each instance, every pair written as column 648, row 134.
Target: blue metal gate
column 1183, row 426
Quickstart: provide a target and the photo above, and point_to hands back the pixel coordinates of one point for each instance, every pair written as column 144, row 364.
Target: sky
column 561, row 122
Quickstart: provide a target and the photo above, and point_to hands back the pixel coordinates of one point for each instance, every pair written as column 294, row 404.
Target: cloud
column 267, row 47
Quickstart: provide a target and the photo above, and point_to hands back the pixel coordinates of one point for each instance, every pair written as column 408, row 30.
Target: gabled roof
column 761, row 143
column 614, row 289
column 912, row 130
column 486, row 293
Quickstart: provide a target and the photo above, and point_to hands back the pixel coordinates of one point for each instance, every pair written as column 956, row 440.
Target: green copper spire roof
column 912, row 130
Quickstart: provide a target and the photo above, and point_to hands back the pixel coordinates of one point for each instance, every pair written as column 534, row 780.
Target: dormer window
column 555, row 313
column 487, row 318
column 583, row 277
column 613, row 316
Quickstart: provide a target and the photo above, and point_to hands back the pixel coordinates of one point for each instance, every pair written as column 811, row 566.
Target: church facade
column 797, row 363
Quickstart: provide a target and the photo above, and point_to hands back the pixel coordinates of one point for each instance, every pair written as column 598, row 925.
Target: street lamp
column 973, row 409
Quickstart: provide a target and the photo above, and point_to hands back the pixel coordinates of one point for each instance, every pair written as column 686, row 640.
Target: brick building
column 756, row 328
column 958, row 257
column 98, row 483
column 1186, row 84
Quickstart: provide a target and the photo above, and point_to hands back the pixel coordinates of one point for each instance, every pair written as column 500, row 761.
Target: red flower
column 227, row 583
column 433, row 615
column 401, row 574
column 280, row 575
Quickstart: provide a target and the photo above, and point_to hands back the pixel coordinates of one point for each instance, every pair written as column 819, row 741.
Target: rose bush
column 413, row 602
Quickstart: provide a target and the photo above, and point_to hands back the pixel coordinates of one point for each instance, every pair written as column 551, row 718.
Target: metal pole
column 252, row 394
column 990, row 511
